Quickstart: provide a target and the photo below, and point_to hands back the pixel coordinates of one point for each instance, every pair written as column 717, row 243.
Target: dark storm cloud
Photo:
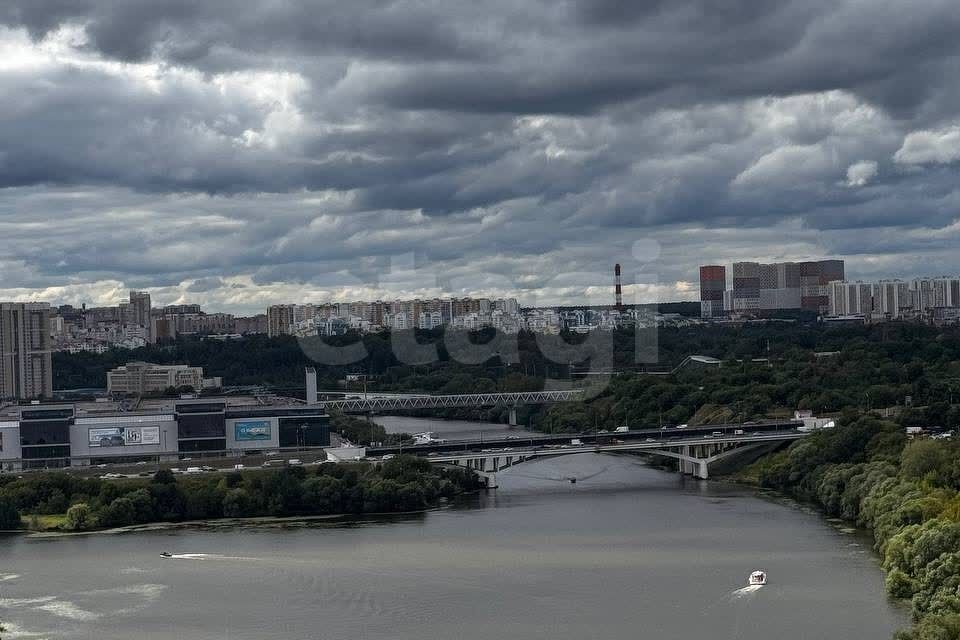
column 233, row 150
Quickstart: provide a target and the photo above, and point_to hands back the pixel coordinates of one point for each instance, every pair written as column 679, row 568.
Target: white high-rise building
column 892, row 297
column 850, row 298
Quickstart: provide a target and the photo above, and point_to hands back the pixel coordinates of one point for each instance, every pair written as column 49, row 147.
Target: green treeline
column 402, row 484
column 873, row 366
column 906, row 492
column 823, row 369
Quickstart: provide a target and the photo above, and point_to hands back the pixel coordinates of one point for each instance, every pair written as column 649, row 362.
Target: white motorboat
column 757, row 578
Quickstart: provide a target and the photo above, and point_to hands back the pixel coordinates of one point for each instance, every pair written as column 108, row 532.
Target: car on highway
column 294, row 462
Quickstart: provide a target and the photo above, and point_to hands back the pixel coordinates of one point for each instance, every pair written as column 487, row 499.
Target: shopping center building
column 104, row 431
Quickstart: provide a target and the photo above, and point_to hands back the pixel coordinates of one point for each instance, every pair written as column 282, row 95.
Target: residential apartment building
column 26, row 369
column 281, row 319
column 783, row 285
column 850, row 298
column 713, row 283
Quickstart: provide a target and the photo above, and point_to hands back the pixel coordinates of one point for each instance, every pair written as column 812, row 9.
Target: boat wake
column 746, row 591
column 206, row 556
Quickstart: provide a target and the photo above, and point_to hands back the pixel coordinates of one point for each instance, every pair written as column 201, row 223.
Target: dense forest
column 402, row 484
column 767, row 370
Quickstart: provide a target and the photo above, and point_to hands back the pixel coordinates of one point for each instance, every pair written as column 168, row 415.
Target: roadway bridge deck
column 663, row 435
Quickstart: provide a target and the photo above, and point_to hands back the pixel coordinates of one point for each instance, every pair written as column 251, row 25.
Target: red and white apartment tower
column 713, row 283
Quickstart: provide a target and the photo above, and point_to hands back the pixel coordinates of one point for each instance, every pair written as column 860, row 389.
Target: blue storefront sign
column 252, row 430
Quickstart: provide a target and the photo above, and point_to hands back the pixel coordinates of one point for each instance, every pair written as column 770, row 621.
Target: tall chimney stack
column 618, row 290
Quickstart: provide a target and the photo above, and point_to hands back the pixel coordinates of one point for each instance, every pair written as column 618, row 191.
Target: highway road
column 591, row 438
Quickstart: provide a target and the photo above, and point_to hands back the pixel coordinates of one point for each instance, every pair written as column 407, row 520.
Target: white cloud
column 859, row 174
column 940, row 146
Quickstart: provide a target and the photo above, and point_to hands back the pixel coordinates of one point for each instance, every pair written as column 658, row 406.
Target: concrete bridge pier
column 513, row 416
column 701, row 471
column 686, row 468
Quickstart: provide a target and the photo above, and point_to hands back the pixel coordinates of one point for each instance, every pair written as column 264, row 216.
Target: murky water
column 626, row 552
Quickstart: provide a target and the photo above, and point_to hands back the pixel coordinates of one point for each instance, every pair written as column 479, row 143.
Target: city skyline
column 601, row 293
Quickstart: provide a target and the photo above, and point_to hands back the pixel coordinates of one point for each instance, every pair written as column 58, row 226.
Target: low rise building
column 82, row 434
column 144, row 378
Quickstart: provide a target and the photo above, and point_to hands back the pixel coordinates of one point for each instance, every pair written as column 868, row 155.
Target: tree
column 237, row 504
column 79, row 517
column 9, row 516
column 119, row 513
column 164, row 476
column 923, row 457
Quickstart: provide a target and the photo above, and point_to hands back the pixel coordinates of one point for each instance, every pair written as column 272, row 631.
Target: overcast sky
column 238, row 154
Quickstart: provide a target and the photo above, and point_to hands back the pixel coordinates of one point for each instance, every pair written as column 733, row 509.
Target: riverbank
column 866, row 473
column 58, row 502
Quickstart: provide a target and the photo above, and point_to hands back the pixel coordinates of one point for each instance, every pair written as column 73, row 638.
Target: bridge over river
column 695, row 448
column 400, row 401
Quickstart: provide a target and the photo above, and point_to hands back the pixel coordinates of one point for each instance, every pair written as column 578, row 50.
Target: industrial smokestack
column 617, row 289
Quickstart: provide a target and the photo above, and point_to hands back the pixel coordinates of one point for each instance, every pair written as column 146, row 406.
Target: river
column 626, row 552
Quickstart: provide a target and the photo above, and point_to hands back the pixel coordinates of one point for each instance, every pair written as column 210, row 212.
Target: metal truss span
column 386, row 403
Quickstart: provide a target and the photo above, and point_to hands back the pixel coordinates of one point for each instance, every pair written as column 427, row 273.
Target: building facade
column 26, row 368
column 713, row 284
column 281, row 319
column 850, row 298
column 144, row 378
column 61, row 435
column 784, row 285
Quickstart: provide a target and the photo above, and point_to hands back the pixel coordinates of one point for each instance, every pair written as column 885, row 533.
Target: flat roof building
column 144, row 378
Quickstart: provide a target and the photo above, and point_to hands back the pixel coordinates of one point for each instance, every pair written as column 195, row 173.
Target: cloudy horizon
column 306, row 152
